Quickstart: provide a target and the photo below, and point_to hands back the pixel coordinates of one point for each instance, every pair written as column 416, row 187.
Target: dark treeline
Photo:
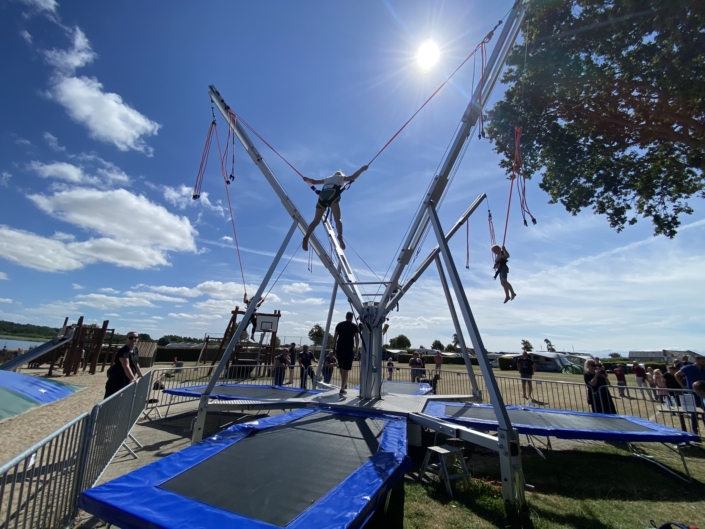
column 8, row 328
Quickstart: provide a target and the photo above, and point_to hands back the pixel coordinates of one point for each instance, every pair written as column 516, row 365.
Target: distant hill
column 27, row 330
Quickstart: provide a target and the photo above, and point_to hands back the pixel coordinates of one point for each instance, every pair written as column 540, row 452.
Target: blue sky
column 102, row 123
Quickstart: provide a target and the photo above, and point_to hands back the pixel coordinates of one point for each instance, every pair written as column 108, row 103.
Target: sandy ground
column 22, row 431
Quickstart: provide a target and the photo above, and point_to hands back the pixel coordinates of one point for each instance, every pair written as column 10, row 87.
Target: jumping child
column 501, row 256
column 330, row 198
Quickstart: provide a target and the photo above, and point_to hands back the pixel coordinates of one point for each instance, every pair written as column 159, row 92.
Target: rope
column 478, row 47
column 204, row 161
column 280, row 274
column 521, row 183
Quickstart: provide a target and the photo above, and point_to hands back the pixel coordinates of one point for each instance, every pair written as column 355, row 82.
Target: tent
column 20, row 393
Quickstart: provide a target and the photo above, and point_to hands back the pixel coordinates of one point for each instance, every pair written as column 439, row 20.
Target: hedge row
column 447, row 360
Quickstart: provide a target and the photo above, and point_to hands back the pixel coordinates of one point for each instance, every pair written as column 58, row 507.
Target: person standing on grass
column 390, row 368
column 328, row 364
column 126, row 367
column 438, row 358
column 281, row 362
column 527, row 368
column 416, row 367
column 672, row 384
column 692, row 373
column 292, row 357
column 660, row 384
column 598, row 394
column 306, row 359
column 346, row 341
column 639, row 375
column 621, row 380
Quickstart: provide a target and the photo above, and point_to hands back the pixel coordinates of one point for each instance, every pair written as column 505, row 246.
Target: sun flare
column 428, row 55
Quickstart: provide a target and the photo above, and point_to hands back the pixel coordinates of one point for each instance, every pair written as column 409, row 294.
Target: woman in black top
column 599, row 397
column 126, row 367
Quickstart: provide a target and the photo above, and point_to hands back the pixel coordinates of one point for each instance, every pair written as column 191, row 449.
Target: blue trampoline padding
column 638, row 429
column 39, row 390
column 423, row 388
column 136, row 501
column 197, row 391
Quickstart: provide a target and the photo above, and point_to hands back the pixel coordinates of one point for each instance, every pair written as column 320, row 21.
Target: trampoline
column 562, row 424
column 244, row 392
column 404, row 388
column 311, row 467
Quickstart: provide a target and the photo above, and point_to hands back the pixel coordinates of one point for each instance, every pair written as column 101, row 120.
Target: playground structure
column 246, row 353
column 372, row 314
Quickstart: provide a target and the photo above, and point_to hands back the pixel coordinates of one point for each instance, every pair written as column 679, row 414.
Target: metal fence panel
column 39, row 488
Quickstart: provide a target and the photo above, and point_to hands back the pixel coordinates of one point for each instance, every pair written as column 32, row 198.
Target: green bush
column 430, row 360
column 505, row 362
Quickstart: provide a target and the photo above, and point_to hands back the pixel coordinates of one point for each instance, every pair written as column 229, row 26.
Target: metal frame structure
column 372, row 314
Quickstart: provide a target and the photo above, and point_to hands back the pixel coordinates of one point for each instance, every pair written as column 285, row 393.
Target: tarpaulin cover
column 563, row 424
column 244, row 392
column 19, row 393
column 143, row 499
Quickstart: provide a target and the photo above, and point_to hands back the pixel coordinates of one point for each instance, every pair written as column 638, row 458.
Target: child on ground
column 660, row 384
column 501, row 256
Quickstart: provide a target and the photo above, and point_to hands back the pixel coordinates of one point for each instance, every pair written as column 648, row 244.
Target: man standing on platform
column 125, row 368
column 346, row 341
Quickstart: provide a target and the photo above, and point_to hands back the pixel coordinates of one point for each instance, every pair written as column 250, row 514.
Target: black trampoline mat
column 556, row 420
column 265, row 392
column 276, row 474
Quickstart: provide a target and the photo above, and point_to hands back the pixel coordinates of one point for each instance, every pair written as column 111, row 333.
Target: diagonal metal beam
column 473, row 111
column 286, row 201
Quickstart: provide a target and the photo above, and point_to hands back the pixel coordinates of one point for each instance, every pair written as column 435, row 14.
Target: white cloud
column 182, row 197
column 106, row 116
column 217, row 306
column 5, row 178
column 5, row 300
column 177, row 291
column 3, row 276
column 139, row 223
column 310, row 301
column 108, row 290
column 62, row 171
column 296, row 288
column 226, row 238
column 152, row 296
column 53, row 142
column 68, row 61
column 26, row 36
column 42, row 5
column 112, row 314
column 76, row 286
column 184, row 316
column 137, row 238
column 23, row 141
column 102, row 302
column 61, row 236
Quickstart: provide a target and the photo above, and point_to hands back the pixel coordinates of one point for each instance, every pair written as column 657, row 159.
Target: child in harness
column 501, row 256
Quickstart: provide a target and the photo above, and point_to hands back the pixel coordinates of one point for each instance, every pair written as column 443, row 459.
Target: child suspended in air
column 501, row 256
column 329, row 197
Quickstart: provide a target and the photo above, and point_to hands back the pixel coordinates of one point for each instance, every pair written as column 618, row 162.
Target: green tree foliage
column 610, row 98
column 615, row 355
column 526, row 346
column 316, row 334
column 399, row 342
column 143, row 336
column 27, row 330
column 172, row 338
column 437, row 345
column 450, row 348
column 549, row 346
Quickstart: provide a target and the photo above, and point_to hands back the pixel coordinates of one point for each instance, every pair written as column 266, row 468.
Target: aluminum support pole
column 244, row 322
column 324, row 343
column 473, row 111
column 458, row 330
column 431, row 256
column 509, row 456
column 371, row 353
column 286, row 201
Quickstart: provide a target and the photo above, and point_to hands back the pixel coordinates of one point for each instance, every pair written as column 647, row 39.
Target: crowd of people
column 662, row 387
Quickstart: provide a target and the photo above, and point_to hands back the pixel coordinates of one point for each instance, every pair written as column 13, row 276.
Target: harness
column 499, row 264
column 330, row 194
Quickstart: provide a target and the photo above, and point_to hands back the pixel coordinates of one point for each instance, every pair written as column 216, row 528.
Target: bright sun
column 428, row 55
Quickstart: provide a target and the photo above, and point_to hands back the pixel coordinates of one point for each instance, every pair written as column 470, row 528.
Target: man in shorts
column 346, row 341
column 527, row 368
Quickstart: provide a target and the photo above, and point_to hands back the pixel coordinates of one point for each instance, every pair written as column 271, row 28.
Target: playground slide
column 31, row 355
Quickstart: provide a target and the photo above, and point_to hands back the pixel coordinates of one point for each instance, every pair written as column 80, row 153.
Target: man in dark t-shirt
column 306, row 358
column 125, row 368
column 527, row 368
column 346, row 341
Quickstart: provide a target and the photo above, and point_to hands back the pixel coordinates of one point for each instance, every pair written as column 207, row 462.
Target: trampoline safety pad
column 244, row 392
column 308, row 468
column 562, row 424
